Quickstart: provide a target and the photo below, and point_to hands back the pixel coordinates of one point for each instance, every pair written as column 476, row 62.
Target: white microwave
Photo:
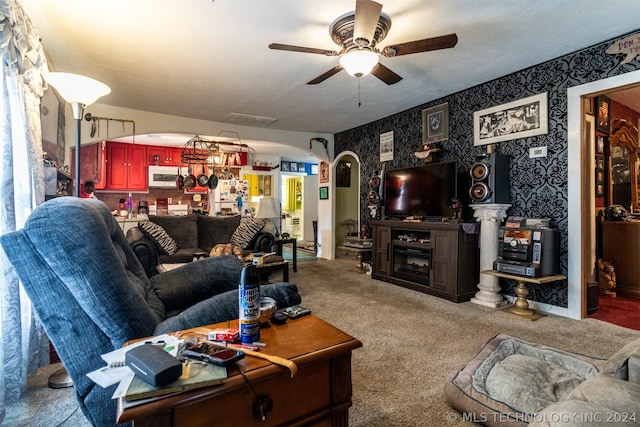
column 162, row 176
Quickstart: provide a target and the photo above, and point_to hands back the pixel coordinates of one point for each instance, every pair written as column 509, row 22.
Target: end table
column 278, row 244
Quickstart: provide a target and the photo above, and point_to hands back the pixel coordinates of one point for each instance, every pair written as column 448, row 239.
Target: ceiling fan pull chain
column 359, row 97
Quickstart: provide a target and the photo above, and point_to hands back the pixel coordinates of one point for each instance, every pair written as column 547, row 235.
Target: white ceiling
column 206, row 59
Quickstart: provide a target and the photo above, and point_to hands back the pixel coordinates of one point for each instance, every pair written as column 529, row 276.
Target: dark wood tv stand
column 436, row 258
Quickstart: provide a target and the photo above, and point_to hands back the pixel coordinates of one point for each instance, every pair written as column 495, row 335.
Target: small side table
column 359, row 256
column 521, row 305
column 278, row 244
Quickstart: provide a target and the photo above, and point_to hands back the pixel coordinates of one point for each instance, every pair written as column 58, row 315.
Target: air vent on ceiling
column 250, row 120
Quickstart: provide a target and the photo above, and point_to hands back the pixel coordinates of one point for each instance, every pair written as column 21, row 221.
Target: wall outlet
column 537, row 152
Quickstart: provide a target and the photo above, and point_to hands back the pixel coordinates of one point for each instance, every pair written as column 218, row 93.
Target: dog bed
column 510, row 380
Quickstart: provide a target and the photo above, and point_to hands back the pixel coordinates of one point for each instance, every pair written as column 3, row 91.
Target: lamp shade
column 266, row 208
column 75, row 88
column 359, row 62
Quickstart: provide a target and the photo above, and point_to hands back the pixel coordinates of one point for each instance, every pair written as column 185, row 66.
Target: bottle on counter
column 129, row 205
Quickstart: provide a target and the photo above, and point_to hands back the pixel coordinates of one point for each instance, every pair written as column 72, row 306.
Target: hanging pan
column 203, row 179
column 213, row 182
column 189, row 180
column 180, row 180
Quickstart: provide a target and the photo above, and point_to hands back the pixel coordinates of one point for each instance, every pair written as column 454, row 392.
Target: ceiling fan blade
column 385, row 74
column 417, row 46
column 326, row 75
column 288, row 47
column 366, row 21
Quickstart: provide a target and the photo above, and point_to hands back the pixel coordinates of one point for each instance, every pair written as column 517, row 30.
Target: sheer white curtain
column 24, row 343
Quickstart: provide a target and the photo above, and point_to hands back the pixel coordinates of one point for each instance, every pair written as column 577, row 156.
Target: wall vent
column 250, row 120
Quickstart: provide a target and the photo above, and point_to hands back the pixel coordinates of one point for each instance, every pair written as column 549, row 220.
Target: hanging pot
column 189, row 180
column 203, row 179
column 180, row 180
column 213, row 182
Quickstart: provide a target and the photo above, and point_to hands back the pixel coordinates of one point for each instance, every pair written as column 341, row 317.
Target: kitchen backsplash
column 113, row 199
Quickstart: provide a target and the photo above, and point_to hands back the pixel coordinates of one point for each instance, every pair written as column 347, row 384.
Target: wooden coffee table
column 319, row 394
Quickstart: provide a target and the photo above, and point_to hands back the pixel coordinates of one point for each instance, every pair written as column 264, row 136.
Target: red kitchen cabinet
column 176, row 155
column 167, row 156
column 93, row 164
column 126, row 166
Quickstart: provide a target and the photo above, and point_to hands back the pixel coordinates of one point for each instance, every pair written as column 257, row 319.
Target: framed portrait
column 435, row 123
column 284, row 166
column 324, row 193
column 386, row 146
column 603, row 107
column 293, row 167
column 324, row 172
column 600, row 145
column 518, row 119
column 301, row 167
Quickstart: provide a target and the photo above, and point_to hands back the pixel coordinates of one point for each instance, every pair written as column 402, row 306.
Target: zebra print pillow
column 158, row 236
column 246, row 231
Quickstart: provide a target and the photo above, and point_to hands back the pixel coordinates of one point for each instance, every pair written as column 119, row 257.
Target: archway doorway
column 347, row 198
column 581, row 187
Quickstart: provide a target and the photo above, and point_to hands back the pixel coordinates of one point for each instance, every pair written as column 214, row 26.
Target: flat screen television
column 421, row 191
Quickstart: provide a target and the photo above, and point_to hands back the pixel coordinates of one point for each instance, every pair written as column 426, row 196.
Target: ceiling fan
column 359, row 33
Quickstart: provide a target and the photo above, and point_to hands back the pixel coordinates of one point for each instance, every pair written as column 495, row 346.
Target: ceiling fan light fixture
column 359, row 62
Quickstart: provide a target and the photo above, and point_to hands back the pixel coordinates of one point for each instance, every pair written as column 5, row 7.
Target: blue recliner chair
column 92, row 294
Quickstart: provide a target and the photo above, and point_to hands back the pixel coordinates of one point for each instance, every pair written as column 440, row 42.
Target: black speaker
column 490, row 179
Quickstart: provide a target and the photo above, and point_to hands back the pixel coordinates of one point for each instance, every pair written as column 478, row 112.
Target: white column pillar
column 490, row 217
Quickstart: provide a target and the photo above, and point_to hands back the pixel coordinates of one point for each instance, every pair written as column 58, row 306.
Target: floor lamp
column 267, row 210
column 79, row 91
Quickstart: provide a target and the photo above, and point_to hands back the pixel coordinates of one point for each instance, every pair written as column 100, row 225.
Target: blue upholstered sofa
column 92, row 294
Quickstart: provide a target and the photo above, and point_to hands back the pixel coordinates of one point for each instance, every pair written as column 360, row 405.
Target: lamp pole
column 77, row 115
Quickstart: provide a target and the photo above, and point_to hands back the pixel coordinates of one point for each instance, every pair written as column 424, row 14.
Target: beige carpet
column 411, row 342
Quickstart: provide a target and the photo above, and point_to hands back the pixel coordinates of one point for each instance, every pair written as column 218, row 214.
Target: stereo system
column 490, row 179
column 531, row 252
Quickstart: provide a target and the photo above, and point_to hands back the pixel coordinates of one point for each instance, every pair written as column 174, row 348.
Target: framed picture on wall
column 603, row 108
column 599, row 177
column 324, row 193
column 435, row 123
column 293, row 167
column 386, row 146
column 284, row 166
column 324, row 172
column 517, row 119
column 600, row 145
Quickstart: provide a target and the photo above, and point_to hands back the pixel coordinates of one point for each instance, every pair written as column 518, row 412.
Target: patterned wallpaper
column 538, row 186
